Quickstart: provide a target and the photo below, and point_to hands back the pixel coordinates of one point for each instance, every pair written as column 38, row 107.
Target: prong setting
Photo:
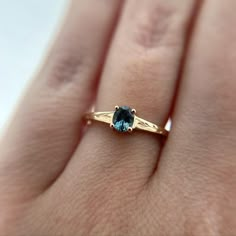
column 89, row 122
column 133, row 111
column 130, row 129
column 123, row 119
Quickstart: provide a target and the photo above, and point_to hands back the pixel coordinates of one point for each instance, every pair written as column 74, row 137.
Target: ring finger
column 141, row 71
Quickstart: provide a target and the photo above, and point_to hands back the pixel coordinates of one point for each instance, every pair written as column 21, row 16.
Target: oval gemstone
column 123, row 119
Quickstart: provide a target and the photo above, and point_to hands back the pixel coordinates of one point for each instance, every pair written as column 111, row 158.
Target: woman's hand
column 163, row 57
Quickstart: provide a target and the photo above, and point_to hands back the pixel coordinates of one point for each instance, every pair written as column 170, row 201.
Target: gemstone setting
column 123, row 119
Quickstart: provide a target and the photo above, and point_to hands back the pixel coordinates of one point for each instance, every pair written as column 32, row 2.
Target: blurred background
column 26, row 28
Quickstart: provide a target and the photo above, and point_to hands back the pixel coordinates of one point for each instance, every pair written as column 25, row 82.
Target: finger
column 46, row 127
column 200, row 152
column 141, row 72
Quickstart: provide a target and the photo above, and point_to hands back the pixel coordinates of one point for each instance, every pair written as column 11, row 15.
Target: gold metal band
column 139, row 123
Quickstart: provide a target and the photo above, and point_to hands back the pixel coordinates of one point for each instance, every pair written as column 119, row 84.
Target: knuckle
column 157, row 26
column 66, row 67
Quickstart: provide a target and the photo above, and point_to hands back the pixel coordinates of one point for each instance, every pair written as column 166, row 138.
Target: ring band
column 124, row 119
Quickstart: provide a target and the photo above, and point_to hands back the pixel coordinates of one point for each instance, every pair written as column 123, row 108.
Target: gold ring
column 124, row 119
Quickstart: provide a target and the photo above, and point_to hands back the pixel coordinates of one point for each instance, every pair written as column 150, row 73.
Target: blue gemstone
column 123, row 119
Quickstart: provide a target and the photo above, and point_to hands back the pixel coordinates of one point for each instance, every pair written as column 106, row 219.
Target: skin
column 163, row 58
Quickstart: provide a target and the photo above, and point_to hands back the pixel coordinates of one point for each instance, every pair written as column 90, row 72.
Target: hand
column 161, row 57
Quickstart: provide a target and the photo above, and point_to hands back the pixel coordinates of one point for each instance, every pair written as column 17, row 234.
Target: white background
column 26, row 28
